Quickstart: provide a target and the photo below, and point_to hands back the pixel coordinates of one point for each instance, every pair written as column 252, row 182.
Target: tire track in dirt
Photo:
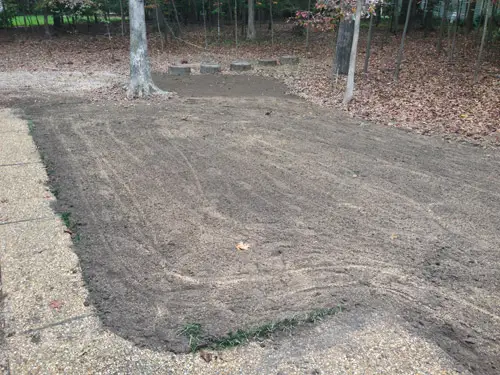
column 313, row 227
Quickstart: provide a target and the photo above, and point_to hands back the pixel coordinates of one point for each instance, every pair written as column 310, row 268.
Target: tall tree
column 368, row 44
column 343, row 47
column 479, row 56
column 349, row 92
column 271, row 24
column 141, row 84
column 401, row 47
column 469, row 19
column 251, row 20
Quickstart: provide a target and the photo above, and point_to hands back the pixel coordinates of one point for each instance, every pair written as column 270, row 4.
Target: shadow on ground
column 334, row 212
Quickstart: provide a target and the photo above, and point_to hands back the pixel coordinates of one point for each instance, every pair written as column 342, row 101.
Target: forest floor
column 434, row 95
column 336, row 211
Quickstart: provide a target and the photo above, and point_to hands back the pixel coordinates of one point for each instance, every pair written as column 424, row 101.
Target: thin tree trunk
column 455, row 30
column 251, row 20
column 483, row 39
column 349, row 92
column 242, row 19
column 368, row 45
column 307, row 28
column 157, row 24
column 176, row 18
column 271, row 21
column 395, row 18
column 236, row 23
column 141, row 83
column 230, row 12
column 218, row 23
column 484, row 8
column 204, row 23
column 123, row 19
column 469, row 19
column 489, row 38
column 46, row 22
column 401, row 47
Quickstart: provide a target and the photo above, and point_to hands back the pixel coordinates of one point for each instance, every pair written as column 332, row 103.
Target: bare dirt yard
column 336, row 211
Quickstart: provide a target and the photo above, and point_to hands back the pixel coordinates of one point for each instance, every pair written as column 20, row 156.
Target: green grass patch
column 31, row 127
column 31, row 20
column 194, row 331
column 35, row 20
column 66, row 219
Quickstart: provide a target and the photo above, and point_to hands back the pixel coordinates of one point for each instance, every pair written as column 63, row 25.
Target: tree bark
column 122, row 18
column 451, row 53
column 230, row 11
column 401, row 47
column 204, row 23
column 395, row 17
column 428, row 16
column 343, row 47
column 368, row 44
column 236, row 23
column 442, row 26
column 349, row 92
column 483, row 39
column 176, row 18
column 251, row 20
column 141, row 84
column 46, row 22
column 308, row 26
column 271, row 24
column 469, row 20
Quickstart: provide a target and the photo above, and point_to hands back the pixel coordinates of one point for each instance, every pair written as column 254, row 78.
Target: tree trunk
column 349, row 92
column 46, row 22
column 343, row 47
column 451, row 53
column 242, row 19
column 176, row 18
column 271, row 21
column 483, row 39
column 162, row 36
column 236, row 23
column 122, row 18
column 368, row 44
column 428, row 16
column 444, row 18
column 401, row 47
column 141, row 83
column 218, row 23
column 308, row 26
column 395, row 17
column 57, row 20
column 469, row 20
column 230, row 11
column 204, row 23
column 251, row 20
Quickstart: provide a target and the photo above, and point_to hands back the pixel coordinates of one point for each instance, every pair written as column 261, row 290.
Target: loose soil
column 335, row 212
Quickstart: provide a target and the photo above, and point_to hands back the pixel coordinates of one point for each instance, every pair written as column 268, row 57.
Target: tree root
column 144, row 91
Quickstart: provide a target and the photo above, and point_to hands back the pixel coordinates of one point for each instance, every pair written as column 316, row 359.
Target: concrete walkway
column 49, row 328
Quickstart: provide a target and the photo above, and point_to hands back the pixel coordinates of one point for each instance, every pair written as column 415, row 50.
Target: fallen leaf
column 394, row 236
column 55, row 304
column 206, row 356
column 242, row 246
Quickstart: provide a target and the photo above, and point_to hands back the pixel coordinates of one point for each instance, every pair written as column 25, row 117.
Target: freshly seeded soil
column 335, row 212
